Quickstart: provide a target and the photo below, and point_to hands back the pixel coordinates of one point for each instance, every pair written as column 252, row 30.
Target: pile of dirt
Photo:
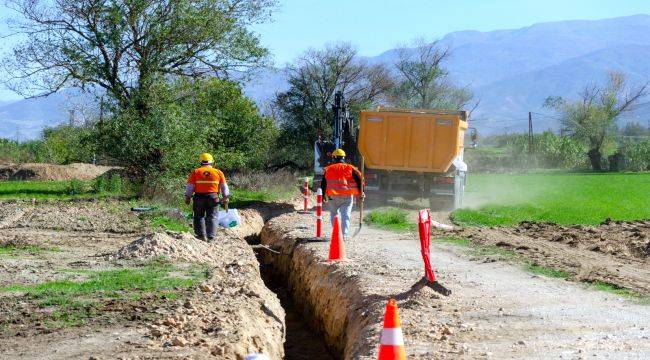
column 172, row 246
column 249, row 318
column 38, row 171
column 615, row 252
column 623, row 239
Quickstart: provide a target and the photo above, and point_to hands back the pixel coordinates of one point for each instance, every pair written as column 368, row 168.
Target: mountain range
column 511, row 72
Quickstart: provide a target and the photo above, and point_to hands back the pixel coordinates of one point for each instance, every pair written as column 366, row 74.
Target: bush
column 187, row 118
column 75, row 187
column 636, row 155
column 108, row 184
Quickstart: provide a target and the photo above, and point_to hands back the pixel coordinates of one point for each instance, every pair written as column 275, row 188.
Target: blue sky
column 378, row 25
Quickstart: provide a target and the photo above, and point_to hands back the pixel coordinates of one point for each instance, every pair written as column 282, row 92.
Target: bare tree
column 121, row 46
column 318, row 74
column 592, row 119
column 303, row 110
column 423, row 81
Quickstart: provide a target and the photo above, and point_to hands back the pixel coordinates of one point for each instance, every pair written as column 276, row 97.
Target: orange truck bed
column 411, row 140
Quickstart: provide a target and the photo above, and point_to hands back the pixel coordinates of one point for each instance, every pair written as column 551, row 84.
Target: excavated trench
column 303, row 337
column 330, row 314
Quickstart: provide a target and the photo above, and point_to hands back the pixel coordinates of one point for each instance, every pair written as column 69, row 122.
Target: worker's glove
column 225, row 200
column 188, row 200
column 362, row 196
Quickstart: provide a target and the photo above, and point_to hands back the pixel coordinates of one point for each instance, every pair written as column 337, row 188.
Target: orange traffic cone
column 337, row 249
column 391, row 345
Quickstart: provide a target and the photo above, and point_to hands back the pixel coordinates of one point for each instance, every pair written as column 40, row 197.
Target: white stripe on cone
column 392, row 337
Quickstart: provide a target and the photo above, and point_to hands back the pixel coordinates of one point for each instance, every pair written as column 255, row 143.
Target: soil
column 496, row 310
column 39, row 171
column 228, row 315
column 615, row 252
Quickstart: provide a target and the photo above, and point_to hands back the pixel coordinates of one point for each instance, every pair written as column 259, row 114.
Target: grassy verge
column 563, row 198
column 102, row 187
column 165, row 222
column 390, row 219
column 77, row 301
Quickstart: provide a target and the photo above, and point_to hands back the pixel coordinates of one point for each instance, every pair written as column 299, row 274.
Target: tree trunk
column 595, row 157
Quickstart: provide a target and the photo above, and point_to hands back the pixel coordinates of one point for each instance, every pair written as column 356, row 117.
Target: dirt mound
column 36, row 171
column 615, row 252
column 622, row 239
column 181, row 246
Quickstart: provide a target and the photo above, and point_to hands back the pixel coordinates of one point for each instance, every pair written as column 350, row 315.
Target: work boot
column 200, row 237
column 211, row 239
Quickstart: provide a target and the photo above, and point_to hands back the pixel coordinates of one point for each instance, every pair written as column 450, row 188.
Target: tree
column 304, row 109
column 592, row 119
column 121, row 46
column 189, row 117
column 423, row 83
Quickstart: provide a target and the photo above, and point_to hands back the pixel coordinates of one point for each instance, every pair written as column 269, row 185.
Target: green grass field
column 563, row 198
column 60, row 190
column 390, row 219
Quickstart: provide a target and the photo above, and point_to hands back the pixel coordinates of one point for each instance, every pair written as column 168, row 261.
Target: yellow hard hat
column 338, row 153
column 206, row 158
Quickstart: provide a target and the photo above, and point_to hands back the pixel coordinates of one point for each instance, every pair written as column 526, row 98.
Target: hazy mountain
column 25, row 119
column 511, row 72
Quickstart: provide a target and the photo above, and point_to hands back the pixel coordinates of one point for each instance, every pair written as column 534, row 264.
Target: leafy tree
column 422, row 81
column 122, row 46
column 304, row 110
column 592, row 119
column 188, row 117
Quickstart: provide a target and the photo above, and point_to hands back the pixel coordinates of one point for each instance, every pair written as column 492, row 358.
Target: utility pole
column 71, row 117
column 530, row 132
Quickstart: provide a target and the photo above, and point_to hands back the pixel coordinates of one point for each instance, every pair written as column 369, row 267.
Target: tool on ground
column 319, row 213
column 391, row 343
column 337, row 248
column 361, row 200
column 424, row 227
column 265, row 247
column 305, row 194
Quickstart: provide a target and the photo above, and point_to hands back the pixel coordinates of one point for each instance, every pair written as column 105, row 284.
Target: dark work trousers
column 206, row 215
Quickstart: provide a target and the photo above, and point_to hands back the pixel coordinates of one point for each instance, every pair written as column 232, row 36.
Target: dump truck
column 406, row 153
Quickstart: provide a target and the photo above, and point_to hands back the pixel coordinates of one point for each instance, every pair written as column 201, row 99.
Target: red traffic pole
column 319, row 212
column 306, row 194
column 424, row 227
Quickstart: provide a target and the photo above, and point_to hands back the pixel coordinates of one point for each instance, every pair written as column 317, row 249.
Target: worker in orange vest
column 204, row 186
column 341, row 183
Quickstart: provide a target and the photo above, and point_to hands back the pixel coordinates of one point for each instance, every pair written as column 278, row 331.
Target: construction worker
column 341, row 183
column 204, row 185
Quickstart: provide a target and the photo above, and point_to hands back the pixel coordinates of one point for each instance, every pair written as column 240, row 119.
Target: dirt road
column 496, row 309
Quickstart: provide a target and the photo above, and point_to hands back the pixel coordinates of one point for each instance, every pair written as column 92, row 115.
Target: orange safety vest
column 206, row 179
column 340, row 181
